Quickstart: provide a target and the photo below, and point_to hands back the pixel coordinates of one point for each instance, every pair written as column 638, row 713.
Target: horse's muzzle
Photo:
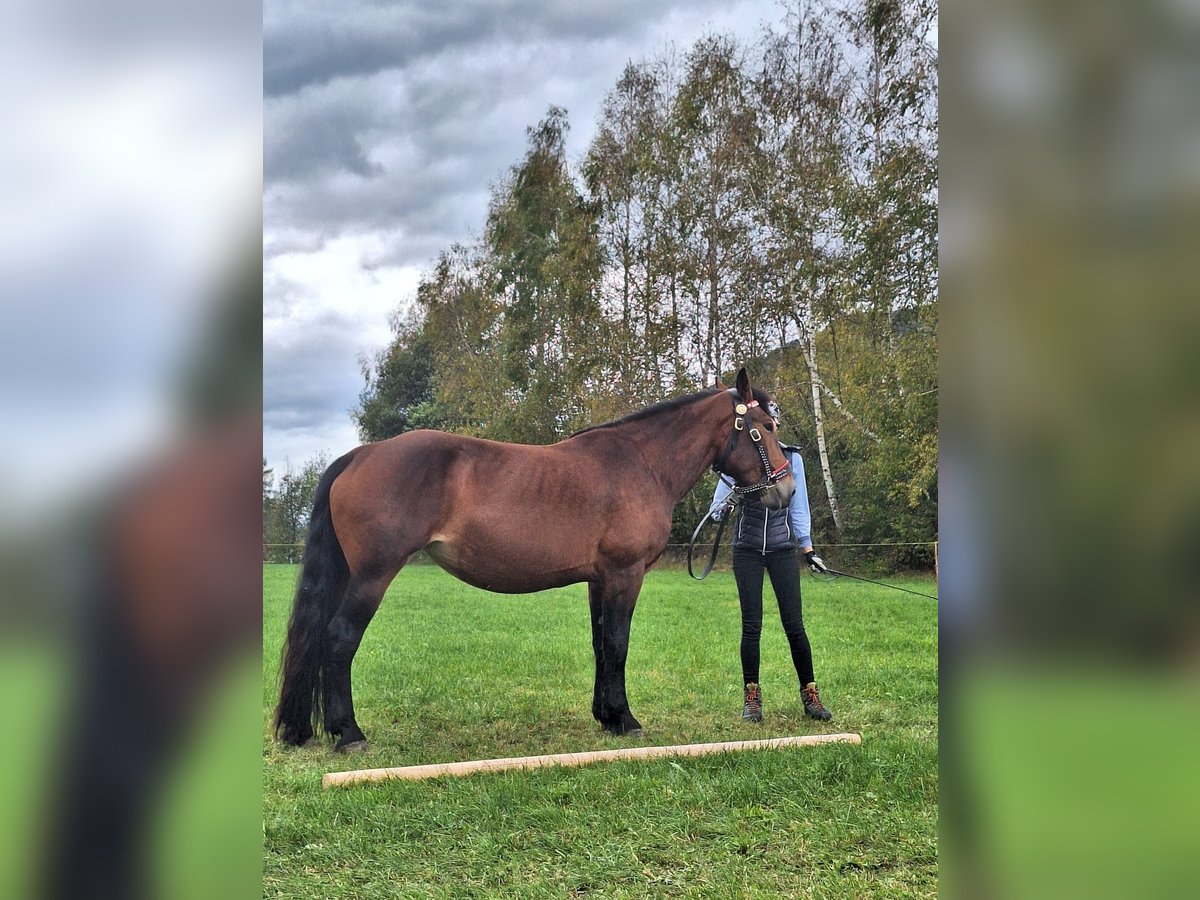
column 779, row 495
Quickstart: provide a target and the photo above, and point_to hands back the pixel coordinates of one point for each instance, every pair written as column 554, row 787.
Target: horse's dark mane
column 664, row 406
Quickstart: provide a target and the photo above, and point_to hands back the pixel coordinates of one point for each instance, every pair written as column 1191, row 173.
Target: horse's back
column 506, row 517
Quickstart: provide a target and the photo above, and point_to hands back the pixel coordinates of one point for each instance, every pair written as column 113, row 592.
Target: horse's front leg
column 594, row 603
column 617, row 595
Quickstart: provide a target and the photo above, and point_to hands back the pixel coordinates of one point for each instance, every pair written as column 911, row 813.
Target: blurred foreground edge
column 172, row 601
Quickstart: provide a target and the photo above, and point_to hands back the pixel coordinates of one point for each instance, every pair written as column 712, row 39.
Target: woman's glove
column 718, row 514
column 815, row 563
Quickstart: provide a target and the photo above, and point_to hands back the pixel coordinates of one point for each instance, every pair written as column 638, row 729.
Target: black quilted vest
column 762, row 529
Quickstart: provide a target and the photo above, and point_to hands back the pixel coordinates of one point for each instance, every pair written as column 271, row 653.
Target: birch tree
column 716, row 131
column 623, row 174
column 801, row 92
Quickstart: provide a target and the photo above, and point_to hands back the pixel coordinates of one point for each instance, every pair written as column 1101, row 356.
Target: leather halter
column 770, row 476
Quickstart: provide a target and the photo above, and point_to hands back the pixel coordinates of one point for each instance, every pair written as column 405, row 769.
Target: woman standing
column 767, row 539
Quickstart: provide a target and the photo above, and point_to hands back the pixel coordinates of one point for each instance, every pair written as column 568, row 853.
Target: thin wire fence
column 870, row 557
column 879, row 557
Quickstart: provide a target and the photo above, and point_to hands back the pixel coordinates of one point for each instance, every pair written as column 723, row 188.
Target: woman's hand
column 815, row 563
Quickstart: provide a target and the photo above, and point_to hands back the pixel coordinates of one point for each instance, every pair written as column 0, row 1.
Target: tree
column 292, row 504
column 803, row 169
column 630, row 183
column 541, row 237
column 716, row 131
column 268, row 501
column 399, row 384
column 891, row 206
column 889, row 226
column 462, row 322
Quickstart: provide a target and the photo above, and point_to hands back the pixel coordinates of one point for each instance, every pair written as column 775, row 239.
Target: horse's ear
column 720, row 385
column 743, row 385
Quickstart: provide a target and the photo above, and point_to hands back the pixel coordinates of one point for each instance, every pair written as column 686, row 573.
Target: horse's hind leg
column 363, row 596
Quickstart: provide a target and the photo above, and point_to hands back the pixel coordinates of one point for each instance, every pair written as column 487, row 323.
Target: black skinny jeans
column 784, row 569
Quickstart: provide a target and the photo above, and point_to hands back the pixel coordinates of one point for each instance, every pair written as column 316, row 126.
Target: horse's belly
column 504, row 573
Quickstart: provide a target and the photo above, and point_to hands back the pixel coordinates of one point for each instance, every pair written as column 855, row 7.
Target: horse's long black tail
column 323, row 578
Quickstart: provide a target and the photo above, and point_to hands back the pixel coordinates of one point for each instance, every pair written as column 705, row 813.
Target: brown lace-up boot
column 752, row 710
column 813, row 708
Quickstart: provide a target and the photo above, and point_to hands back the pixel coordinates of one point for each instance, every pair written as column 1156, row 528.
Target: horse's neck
column 679, row 448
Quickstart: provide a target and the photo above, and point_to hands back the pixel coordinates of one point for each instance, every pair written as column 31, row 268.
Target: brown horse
column 511, row 518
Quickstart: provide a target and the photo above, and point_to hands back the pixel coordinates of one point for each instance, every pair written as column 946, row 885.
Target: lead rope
column 712, row 559
column 895, row 587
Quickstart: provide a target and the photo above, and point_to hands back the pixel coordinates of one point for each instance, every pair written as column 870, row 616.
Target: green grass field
column 446, row 673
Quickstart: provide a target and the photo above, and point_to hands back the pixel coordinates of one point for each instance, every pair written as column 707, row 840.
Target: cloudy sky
column 385, row 123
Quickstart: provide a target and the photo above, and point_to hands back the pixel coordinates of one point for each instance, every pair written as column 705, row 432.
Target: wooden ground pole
column 436, row 770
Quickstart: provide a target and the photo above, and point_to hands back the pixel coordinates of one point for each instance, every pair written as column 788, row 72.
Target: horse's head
column 752, row 456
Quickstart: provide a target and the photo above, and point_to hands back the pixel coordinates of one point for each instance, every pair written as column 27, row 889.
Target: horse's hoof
column 352, row 747
column 296, row 737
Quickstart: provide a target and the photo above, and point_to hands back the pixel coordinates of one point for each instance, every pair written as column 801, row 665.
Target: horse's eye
column 770, row 426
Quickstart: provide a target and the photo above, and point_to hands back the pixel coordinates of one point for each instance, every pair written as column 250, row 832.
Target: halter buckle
column 755, row 434
column 737, row 424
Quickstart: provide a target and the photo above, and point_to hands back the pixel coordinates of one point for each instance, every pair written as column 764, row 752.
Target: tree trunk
column 808, row 345
column 842, row 409
column 626, row 253
column 713, row 278
column 677, row 332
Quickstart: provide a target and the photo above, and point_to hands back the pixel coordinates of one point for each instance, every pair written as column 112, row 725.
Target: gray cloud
column 314, row 42
column 305, row 380
column 413, row 156
column 284, row 240
column 280, row 294
column 397, row 116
